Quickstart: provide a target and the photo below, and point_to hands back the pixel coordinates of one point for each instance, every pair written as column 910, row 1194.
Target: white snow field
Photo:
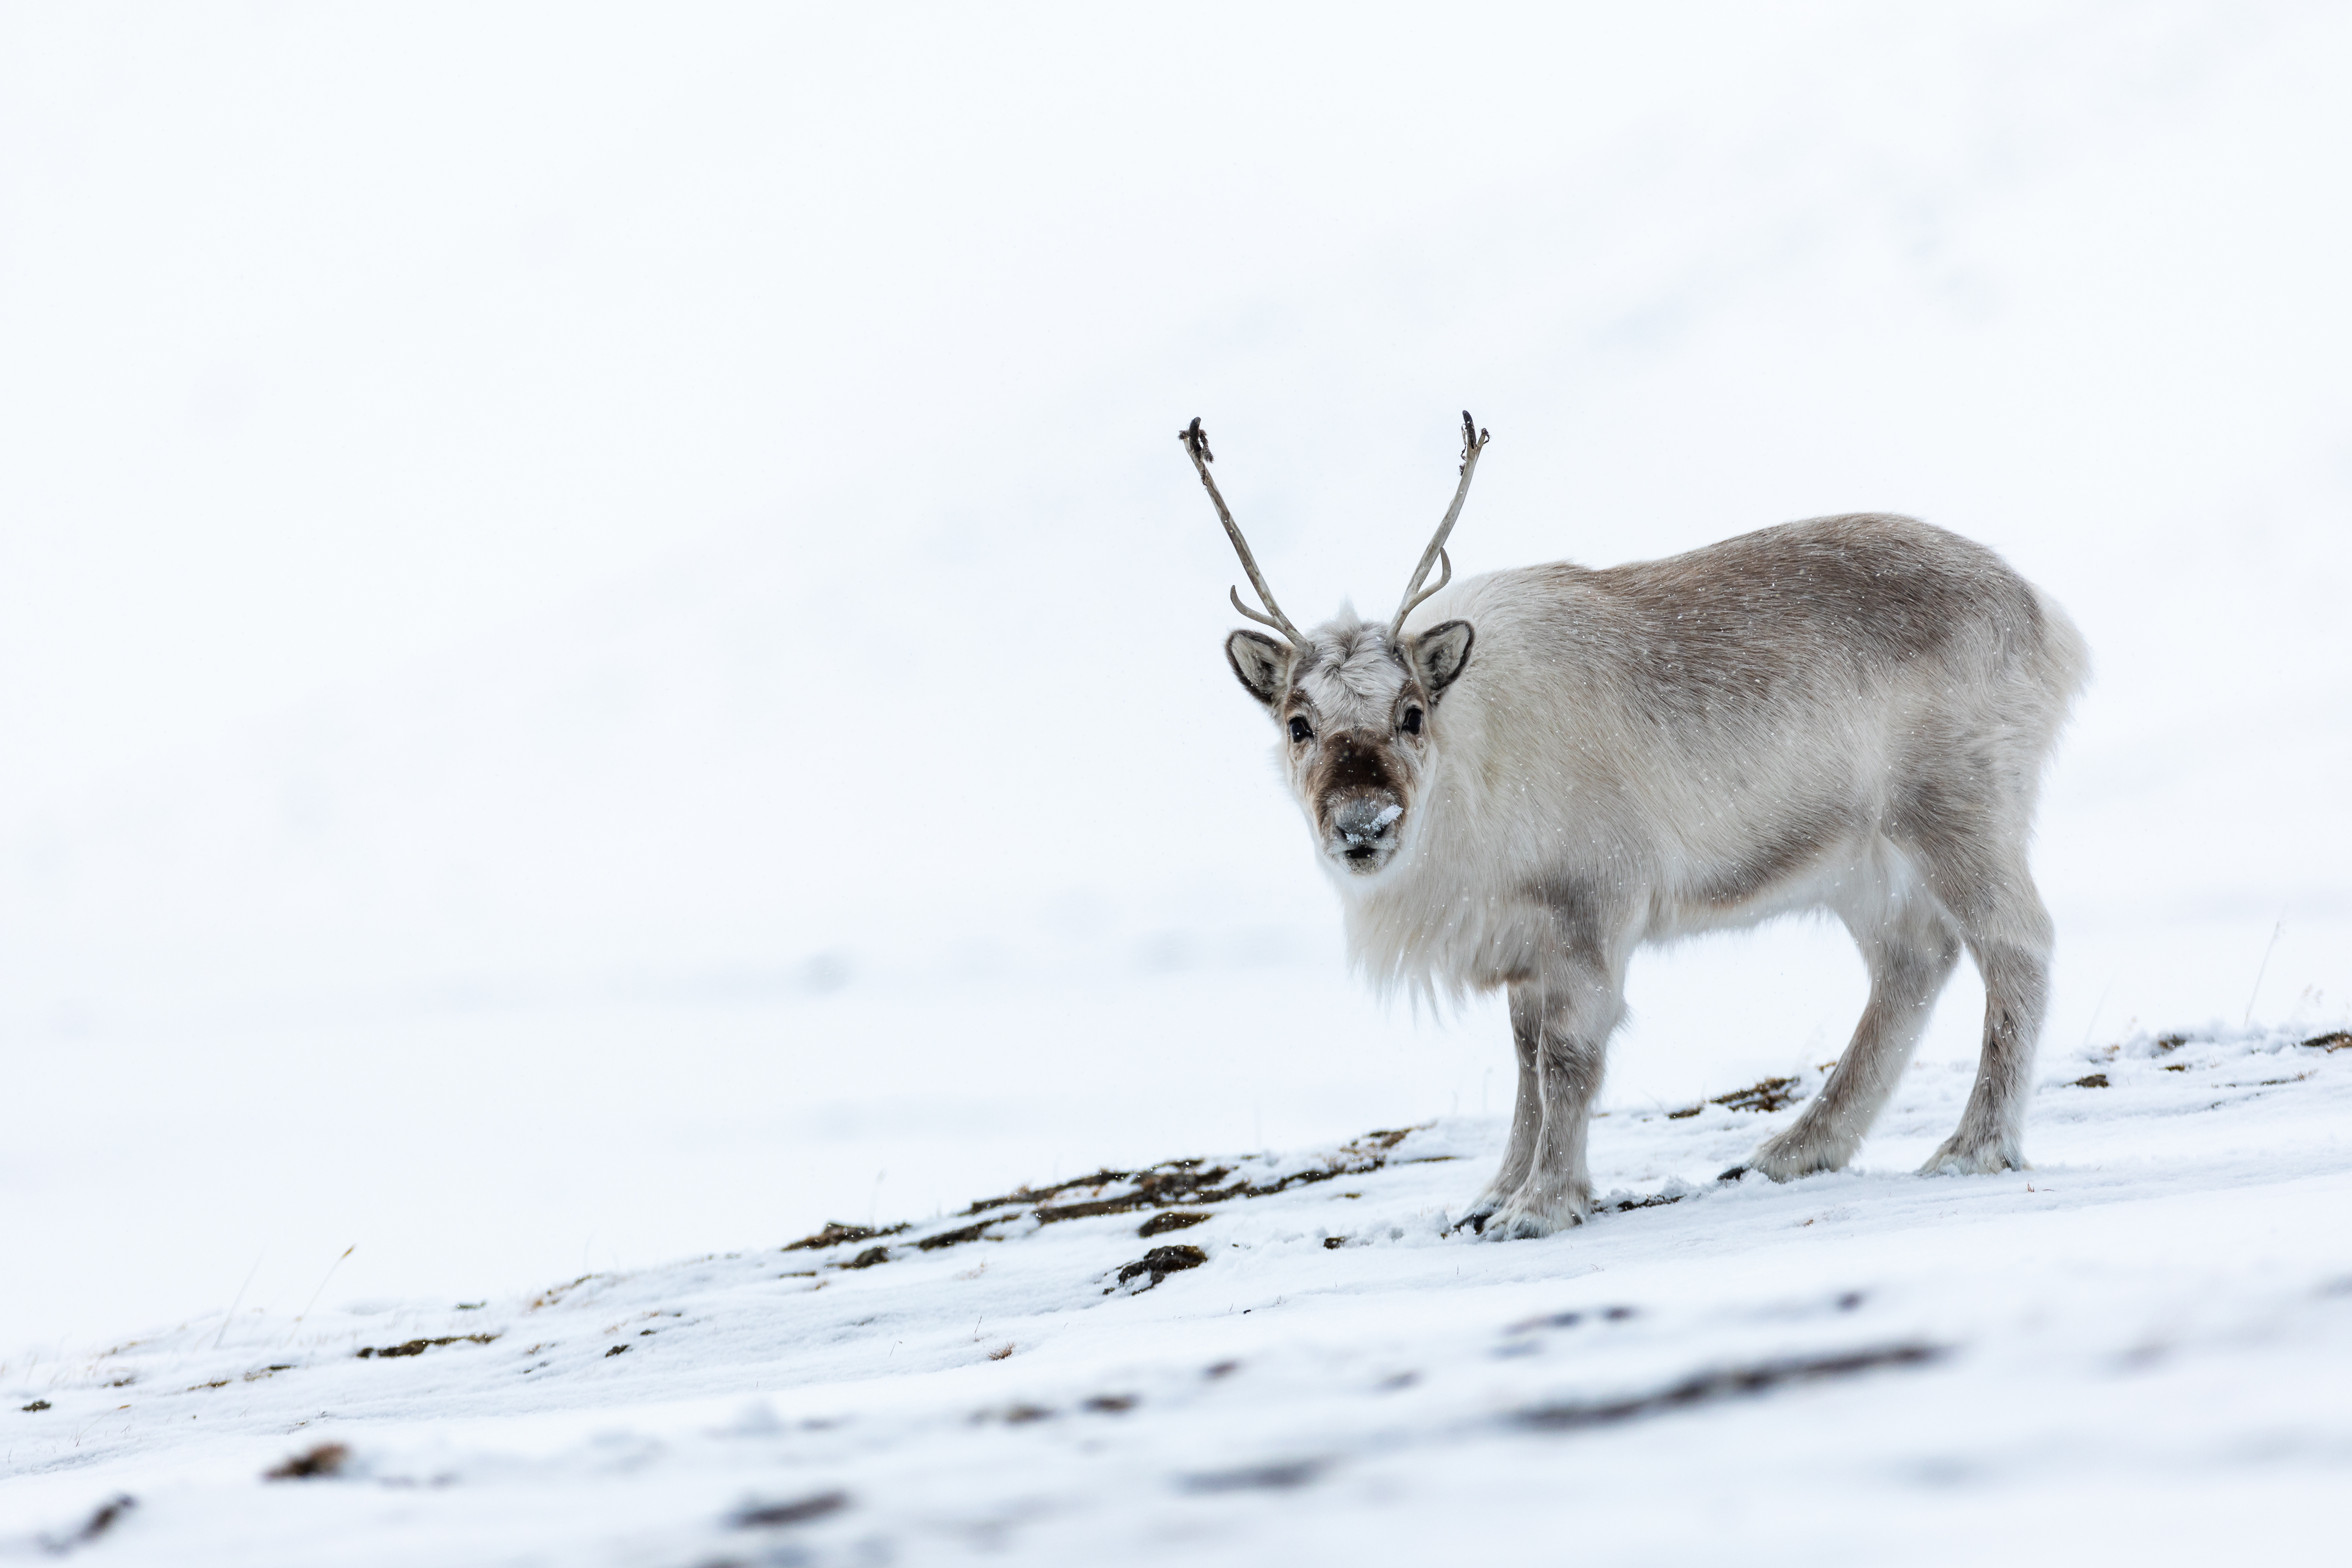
column 2141, row 1351
column 607, row 656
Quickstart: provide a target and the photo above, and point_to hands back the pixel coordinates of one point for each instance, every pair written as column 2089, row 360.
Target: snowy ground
column 2139, row 1351
column 509, row 516
column 488, row 597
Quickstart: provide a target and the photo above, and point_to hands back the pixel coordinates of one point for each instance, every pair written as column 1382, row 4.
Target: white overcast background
column 606, row 652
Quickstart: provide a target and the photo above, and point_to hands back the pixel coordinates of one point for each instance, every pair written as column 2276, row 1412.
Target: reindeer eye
column 1412, row 720
column 1299, row 731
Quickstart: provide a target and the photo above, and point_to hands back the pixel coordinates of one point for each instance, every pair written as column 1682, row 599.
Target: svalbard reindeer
column 1517, row 782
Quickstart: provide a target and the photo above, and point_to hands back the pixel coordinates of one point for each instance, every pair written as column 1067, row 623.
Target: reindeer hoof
column 1528, row 1218
column 1511, row 1228
column 1952, row 1159
column 1474, row 1218
column 1786, row 1156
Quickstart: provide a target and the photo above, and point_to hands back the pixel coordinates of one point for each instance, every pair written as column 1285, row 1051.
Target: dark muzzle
column 1363, row 829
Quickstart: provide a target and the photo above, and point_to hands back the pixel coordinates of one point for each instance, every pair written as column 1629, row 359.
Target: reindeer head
column 1356, row 701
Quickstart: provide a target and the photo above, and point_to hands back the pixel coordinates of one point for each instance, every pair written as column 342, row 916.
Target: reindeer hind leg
column 1911, row 950
column 1983, row 881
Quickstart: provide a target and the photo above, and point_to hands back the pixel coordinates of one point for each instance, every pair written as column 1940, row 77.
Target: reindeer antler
column 1474, row 441
column 1196, row 447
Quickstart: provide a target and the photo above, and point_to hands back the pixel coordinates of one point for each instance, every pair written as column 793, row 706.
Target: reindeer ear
column 1260, row 664
column 1439, row 654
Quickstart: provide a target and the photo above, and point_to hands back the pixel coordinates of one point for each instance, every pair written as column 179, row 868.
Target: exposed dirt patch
column 1570, row 1320
column 108, row 1515
column 554, row 1293
column 2090, row 1081
column 1029, row 1195
column 1728, row 1383
column 1166, row 1186
column 1160, row 1262
column 326, row 1460
column 1771, row 1094
column 956, row 1238
column 1177, row 1180
column 836, row 1234
column 1286, row 1476
column 1171, row 1219
column 1188, row 1181
column 2338, row 1040
column 418, row 1347
column 800, row 1510
column 1181, row 1180
column 36, row 1405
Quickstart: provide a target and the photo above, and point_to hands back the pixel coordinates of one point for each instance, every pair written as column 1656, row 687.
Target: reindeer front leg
column 1527, row 1121
column 1562, row 1021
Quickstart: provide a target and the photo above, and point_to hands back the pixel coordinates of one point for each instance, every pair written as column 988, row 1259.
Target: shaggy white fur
column 1560, row 765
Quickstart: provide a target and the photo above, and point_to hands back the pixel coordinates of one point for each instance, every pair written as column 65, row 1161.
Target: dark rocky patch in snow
column 1163, row 1188
column 107, row 1515
column 1171, row 1219
column 1160, row 1263
column 413, row 1347
column 1282, row 1476
column 326, row 1460
column 1771, row 1094
column 1727, row 1383
column 836, row 1234
column 800, row 1510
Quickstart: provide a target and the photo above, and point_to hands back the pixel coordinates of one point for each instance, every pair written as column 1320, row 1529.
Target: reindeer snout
column 1363, row 828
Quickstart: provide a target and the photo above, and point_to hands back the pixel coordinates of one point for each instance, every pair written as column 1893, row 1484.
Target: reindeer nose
column 1363, row 822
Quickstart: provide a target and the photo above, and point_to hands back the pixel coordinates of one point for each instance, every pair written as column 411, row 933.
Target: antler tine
column 1263, row 620
column 1196, row 447
column 1474, row 441
column 1444, row 575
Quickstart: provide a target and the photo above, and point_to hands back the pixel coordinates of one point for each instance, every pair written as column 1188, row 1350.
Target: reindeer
column 1518, row 782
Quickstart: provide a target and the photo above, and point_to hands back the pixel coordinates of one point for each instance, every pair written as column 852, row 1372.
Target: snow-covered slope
column 640, row 659
column 2139, row 1351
